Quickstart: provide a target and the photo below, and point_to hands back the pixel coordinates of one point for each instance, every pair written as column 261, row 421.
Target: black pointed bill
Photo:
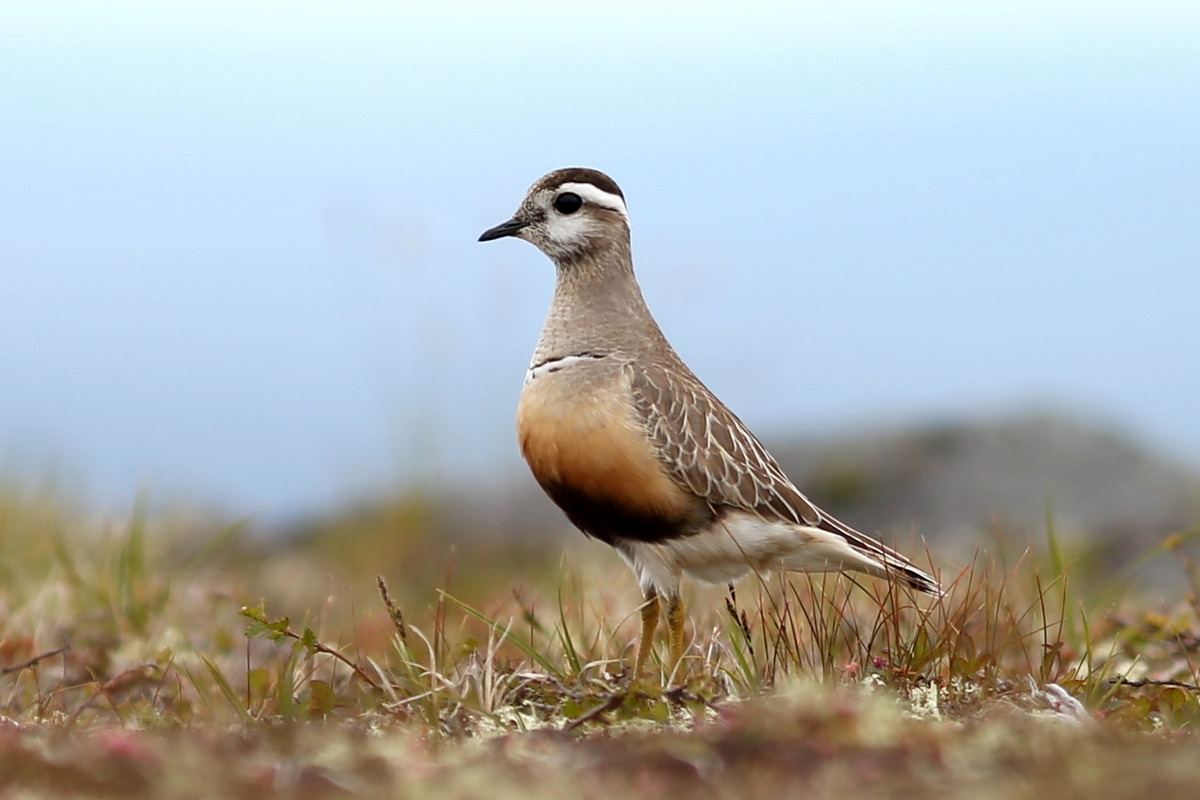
column 509, row 228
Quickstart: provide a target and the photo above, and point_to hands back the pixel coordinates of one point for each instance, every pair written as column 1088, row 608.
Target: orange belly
column 593, row 457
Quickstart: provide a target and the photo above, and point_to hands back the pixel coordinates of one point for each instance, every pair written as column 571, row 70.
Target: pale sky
column 237, row 240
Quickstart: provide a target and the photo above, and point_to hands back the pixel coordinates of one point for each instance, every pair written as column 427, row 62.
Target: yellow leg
column 676, row 622
column 649, row 626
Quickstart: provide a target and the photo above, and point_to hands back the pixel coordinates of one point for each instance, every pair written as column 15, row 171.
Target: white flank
column 740, row 544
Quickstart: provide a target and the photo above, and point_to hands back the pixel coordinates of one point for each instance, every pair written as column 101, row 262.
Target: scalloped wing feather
column 709, row 451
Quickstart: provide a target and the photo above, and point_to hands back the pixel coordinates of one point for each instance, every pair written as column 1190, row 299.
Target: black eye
column 568, row 203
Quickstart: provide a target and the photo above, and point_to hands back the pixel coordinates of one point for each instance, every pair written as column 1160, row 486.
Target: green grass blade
column 524, row 646
column 226, row 690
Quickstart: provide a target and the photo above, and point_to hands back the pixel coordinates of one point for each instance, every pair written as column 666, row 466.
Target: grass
column 168, row 654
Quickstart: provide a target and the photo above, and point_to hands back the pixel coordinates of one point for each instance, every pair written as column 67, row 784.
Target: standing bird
column 634, row 448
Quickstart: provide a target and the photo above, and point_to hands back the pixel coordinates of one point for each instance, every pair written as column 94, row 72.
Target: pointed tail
column 894, row 564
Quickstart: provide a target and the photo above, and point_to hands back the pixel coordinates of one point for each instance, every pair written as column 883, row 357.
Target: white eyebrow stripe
column 594, row 194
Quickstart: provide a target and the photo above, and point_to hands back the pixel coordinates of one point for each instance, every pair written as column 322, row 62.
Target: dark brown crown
column 581, row 175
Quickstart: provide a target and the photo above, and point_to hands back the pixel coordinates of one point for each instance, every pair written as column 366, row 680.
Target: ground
column 174, row 654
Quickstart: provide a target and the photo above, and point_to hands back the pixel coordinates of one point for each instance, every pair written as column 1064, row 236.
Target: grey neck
column 598, row 309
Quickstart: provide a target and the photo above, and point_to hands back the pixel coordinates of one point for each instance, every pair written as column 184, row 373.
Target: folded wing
column 710, row 452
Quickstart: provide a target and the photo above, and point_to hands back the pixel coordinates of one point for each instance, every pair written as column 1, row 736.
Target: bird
column 634, row 449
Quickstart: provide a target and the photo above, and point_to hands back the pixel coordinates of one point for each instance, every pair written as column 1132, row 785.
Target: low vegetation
column 377, row 655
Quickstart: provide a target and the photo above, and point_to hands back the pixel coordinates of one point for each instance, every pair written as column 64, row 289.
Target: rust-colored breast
column 591, row 454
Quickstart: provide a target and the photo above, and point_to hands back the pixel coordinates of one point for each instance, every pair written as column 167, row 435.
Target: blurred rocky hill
column 955, row 479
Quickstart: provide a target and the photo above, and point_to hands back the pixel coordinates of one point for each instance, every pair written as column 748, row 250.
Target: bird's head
column 569, row 213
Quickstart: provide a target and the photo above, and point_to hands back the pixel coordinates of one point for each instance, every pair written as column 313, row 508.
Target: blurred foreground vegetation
column 177, row 654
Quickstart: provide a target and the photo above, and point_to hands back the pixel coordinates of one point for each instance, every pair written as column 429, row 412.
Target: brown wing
column 709, row 451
